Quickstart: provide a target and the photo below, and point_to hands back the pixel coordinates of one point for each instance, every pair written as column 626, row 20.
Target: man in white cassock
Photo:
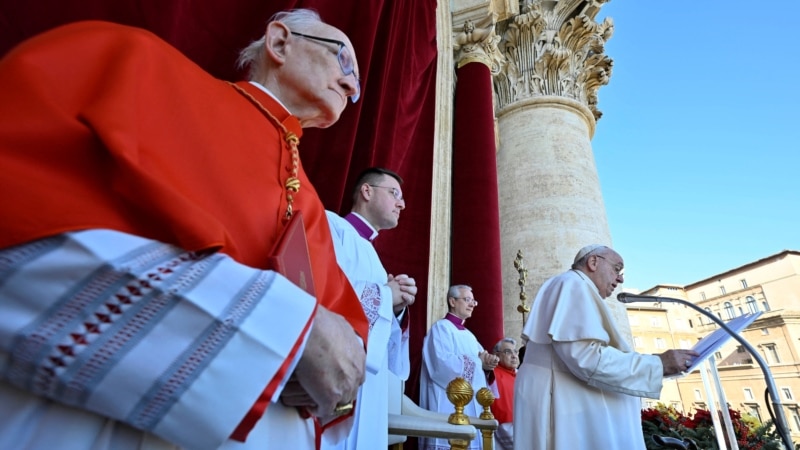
column 450, row 350
column 377, row 202
column 580, row 383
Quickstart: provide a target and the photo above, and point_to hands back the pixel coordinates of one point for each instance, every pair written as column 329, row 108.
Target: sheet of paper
column 716, row 339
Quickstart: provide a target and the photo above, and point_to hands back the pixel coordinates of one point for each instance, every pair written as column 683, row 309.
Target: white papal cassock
column 580, row 382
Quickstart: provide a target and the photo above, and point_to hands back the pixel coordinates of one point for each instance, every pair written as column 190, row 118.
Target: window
column 703, row 295
column 753, row 410
column 691, row 325
column 765, row 305
column 722, row 290
column 634, row 321
column 729, row 311
column 708, row 310
column 796, row 418
column 744, row 283
column 739, row 349
column 660, row 343
column 697, row 395
column 748, row 394
column 685, row 343
column 655, row 322
column 718, row 355
column 637, row 341
column 679, row 324
column 751, row 304
column 764, row 331
column 772, row 353
column 787, row 393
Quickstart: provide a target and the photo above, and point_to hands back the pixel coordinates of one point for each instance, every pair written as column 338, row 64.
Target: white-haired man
column 580, row 382
column 504, row 376
column 450, row 350
column 136, row 305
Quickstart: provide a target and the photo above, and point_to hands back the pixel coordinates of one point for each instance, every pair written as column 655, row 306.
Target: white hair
column 500, row 343
column 252, row 56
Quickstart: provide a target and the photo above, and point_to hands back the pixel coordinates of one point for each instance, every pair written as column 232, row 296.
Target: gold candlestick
column 519, row 264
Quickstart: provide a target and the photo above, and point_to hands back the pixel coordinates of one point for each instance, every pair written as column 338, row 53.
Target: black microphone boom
column 780, row 420
column 625, row 297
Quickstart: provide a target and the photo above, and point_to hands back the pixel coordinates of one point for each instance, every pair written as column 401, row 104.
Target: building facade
column 770, row 286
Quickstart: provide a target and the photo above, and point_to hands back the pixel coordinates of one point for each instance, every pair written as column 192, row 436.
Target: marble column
column 551, row 203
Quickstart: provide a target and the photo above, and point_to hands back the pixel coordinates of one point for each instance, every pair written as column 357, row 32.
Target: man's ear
column 365, row 192
column 591, row 263
column 276, row 40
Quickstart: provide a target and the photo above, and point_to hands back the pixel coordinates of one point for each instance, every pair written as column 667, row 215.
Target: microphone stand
column 780, row 418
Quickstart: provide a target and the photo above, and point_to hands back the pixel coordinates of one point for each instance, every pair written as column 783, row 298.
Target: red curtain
column 475, row 250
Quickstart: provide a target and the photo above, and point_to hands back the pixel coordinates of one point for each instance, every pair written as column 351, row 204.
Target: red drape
column 476, row 221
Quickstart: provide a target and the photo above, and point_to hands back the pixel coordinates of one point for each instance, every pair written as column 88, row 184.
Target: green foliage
column 667, row 421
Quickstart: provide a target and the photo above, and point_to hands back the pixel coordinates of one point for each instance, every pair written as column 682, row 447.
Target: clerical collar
column 263, row 88
column 364, row 229
column 457, row 321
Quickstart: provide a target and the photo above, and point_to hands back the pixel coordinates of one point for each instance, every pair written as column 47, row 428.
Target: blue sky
column 697, row 149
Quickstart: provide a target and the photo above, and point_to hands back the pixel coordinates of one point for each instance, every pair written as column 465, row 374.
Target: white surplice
column 449, row 352
column 137, row 344
column 387, row 346
column 580, row 381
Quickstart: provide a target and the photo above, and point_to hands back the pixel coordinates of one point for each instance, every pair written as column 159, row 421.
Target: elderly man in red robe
column 504, row 375
column 142, row 199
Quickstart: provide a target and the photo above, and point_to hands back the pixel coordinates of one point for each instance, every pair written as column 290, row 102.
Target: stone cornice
column 554, row 48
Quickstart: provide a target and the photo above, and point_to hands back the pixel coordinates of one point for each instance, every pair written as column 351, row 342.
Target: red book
column 290, row 255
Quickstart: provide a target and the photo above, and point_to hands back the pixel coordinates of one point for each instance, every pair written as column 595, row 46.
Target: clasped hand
column 488, row 360
column 404, row 291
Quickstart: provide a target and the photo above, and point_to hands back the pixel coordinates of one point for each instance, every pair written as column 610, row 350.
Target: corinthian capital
column 476, row 41
column 554, row 48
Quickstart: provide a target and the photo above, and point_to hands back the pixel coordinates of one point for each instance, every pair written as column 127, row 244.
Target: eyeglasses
column 509, row 351
column 467, row 300
column 618, row 268
column 395, row 192
column 344, row 57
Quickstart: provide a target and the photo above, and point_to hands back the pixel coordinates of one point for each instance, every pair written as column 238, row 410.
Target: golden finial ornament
column 459, row 392
column 486, row 398
column 519, row 264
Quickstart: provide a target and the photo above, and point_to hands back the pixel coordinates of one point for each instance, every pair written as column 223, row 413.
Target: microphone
column 780, row 420
column 626, row 297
